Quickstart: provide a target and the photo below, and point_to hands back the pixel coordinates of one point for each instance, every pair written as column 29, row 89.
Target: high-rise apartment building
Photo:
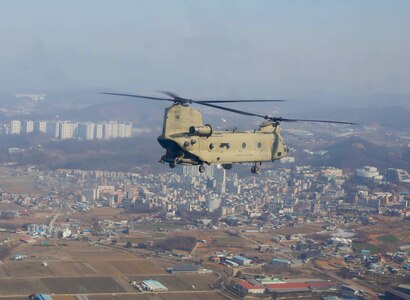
column 15, row 127
column 99, row 131
column 86, row 131
column 114, row 129
column 28, row 126
column 40, row 127
column 106, row 131
column 67, row 130
column 128, row 130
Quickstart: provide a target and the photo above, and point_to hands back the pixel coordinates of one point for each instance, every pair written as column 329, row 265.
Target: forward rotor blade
column 315, row 121
column 139, row 96
column 236, row 101
column 184, row 101
column 171, row 94
column 245, row 113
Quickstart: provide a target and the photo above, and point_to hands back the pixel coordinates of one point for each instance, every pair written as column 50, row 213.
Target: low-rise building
column 246, row 287
column 153, row 286
column 242, row 261
column 282, row 264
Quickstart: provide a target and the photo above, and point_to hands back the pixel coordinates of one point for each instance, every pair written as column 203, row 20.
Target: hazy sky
column 207, row 48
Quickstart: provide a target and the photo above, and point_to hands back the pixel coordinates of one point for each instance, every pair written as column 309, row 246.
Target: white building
column 121, row 130
column 106, row 131
column 369, row 175
column 86, row 131
column 128, row 130
column 40, row 127
column 99, row 131
column 90, row 195
column 214, row 202
column 191, row 171
column 153, row 286
column 28, row 127
column 15, row 127
column 114, row 130
column 66, row 130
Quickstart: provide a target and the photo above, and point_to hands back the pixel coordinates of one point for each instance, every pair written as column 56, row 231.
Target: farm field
column 118, row 267
column 71, row 268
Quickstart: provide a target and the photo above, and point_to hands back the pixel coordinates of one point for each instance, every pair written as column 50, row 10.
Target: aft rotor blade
column 315, row 121
column 236, row 101
column 245, row 113
column 139, row 96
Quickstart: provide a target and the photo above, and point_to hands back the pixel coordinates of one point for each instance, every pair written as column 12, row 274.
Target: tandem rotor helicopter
column 188, row 141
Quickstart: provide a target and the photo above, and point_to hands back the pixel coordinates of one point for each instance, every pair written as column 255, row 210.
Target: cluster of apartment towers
column 64, row 130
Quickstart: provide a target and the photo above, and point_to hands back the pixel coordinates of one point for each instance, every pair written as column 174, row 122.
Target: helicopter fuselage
column 188, row 141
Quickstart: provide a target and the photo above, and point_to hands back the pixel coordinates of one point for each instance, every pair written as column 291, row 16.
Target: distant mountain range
column 391, row 110
column 355, row 152
column 394, row 117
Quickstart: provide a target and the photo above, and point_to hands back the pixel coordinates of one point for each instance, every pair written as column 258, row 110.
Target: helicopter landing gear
column 255, row 169
column 201, row 168
column 172, row 165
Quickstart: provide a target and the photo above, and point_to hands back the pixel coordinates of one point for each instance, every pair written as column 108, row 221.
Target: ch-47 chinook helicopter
column 188, row 141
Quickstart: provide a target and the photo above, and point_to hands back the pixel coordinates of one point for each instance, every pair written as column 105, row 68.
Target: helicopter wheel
column 201, row 168
column 255, row 170
column 227, row 166
column 172, row 165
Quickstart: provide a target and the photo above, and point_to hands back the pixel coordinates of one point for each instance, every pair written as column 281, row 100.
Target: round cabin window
column 259, row 145
column 243, row 145
column 211, row 146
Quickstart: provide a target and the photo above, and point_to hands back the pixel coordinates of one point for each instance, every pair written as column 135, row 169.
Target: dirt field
column 79, row 268
column 329, row 264
column 388, row 233
column 61, row 285
column 11, row 183
column 21, row 286
column 308, row 229
column 82, row 285
column 119, row 267
column 25, row 269
column 94, row 267
column 71, row 268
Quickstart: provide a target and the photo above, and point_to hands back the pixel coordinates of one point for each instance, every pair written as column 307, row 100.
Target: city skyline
column 63, row 130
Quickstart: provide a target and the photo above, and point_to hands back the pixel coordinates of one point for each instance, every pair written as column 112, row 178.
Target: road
column 53, row 220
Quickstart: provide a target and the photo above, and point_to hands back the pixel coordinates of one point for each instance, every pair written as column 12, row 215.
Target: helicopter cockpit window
column 243, row 145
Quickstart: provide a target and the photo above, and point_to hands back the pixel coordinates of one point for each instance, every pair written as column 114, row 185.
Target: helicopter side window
column 211, row 146
column 243, row 145
column 259, row 145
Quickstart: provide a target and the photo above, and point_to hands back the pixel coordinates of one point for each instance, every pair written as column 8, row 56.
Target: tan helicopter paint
column 224, row 147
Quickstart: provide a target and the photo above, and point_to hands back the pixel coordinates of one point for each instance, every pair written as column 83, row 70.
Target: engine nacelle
column 201, row 130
